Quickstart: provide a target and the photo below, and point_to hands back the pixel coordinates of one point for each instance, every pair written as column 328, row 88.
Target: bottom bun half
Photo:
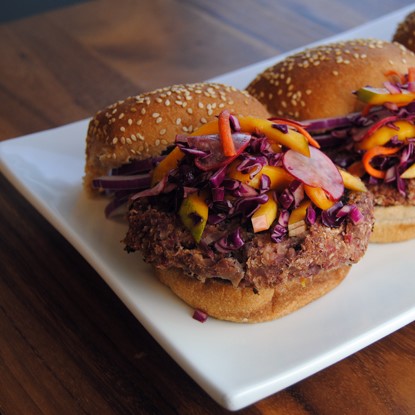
column 393, row 224
column 242, row 305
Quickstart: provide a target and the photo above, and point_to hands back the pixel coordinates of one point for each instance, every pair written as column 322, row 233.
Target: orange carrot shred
column 374, row 152
column 411, row 74
column 225, row 134
column 366, row 109
column 299, row 128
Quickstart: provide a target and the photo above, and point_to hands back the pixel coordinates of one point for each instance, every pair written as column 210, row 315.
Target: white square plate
column 236, row 364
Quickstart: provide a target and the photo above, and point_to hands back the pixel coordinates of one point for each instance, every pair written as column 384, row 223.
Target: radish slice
column 212, row 144
column 315, row 171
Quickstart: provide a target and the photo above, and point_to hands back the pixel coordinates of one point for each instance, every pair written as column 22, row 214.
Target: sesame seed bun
column 243, row 305
column 319, row 82
column 144, row 125
column 405, row 32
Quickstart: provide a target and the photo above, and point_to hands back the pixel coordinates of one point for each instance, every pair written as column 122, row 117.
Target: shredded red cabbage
column 231, row 242
column 133, row 182
column 280, row 230
column 311, row 215
column 338, row 136
column 200, row 315
column 231, row 202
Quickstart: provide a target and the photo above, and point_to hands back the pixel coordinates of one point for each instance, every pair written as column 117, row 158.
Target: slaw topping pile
column 254, row 174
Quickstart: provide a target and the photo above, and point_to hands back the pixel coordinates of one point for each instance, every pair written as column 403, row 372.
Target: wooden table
column 68, row 345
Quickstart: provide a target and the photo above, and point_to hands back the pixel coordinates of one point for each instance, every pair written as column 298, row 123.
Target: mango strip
column 292, row 139
column 380, row 137
column 168, row 163
column 264, row 216
column 318, row 196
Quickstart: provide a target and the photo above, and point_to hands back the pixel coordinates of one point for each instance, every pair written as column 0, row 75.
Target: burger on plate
column 244, row 218
column 356, row 99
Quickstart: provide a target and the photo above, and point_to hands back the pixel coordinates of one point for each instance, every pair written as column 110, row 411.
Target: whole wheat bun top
column 405, row 32
column 319, row 82
column 144, row 125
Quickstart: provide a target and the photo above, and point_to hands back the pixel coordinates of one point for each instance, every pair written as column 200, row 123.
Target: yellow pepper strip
column 409, row 173
column 293, row 139
column 264, row 216
column 379, row 96
column 168, row 163
column 279, row 177
column 299, row 128
column 318, row 197
column 299, row 213
column 211, row 127
column 194, row 213
column 381, row 136
column 352, row 182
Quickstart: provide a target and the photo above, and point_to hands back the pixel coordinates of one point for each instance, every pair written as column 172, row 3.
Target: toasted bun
column 142, row 126
column 243, row 305
column 405, row 32
column 319, row 82
column 393, row 224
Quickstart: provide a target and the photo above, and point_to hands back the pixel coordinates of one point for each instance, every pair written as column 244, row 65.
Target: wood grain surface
column 67, row 344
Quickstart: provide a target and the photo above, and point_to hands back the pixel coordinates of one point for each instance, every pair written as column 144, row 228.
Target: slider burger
column 362, row 114
column 245, row 219
column 144, row 125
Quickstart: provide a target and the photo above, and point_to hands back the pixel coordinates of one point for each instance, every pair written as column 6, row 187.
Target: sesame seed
column 130, row 121
column 178, row 121
column 115, row 140
column 167, row 102
column 163, row 131
column 157, row 142
column 121, row 116
column 143, row 111
column 155, row 115
column 159, row 120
